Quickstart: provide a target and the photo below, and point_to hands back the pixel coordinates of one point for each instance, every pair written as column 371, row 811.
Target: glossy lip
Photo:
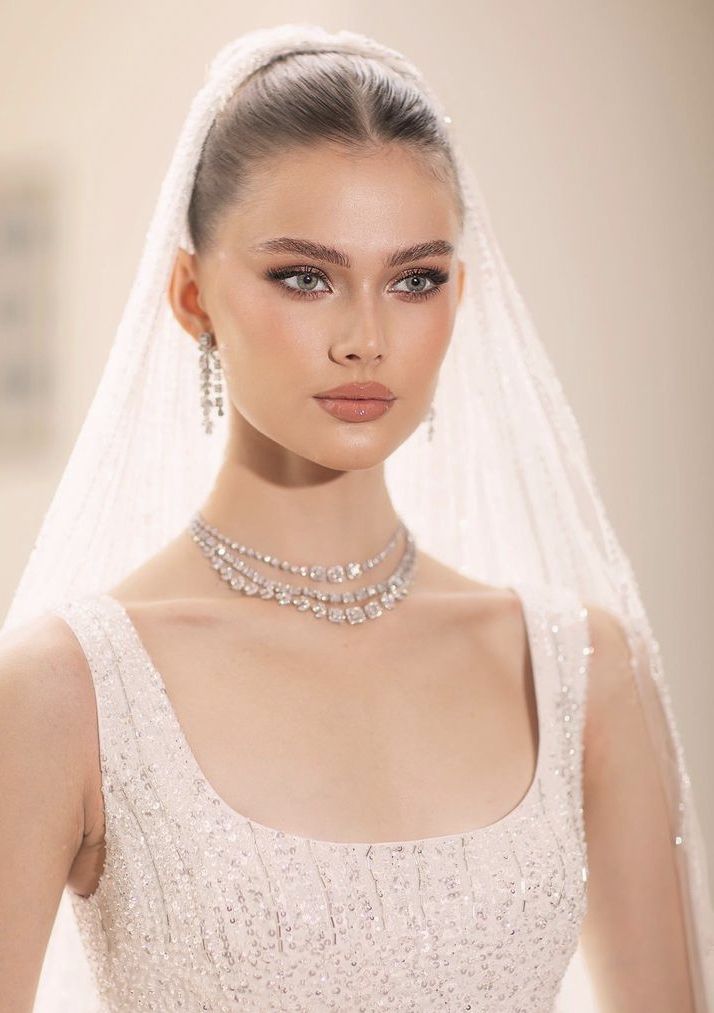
column 371, row 391
column 360, row 409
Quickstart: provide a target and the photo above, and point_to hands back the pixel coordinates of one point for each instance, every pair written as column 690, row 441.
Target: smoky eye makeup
column 436, row 277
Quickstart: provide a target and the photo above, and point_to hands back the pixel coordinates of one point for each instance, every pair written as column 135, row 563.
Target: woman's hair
column 357, row 103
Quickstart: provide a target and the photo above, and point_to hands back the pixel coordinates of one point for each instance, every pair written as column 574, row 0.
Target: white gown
column 202, row 908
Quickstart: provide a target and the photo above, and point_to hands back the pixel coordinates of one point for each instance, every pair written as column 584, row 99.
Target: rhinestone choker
column 224, row 555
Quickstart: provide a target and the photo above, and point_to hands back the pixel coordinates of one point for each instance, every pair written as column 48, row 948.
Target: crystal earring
column 209, row 364
column 430, row 420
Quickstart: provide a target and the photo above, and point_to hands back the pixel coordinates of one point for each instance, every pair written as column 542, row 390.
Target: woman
column 261, row 806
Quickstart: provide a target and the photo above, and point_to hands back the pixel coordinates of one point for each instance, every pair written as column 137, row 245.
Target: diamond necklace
column 224, row 555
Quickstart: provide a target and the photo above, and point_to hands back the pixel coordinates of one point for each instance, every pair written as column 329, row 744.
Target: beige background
column 590, row 126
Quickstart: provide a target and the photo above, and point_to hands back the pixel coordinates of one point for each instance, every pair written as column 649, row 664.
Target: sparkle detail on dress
column 201, row 908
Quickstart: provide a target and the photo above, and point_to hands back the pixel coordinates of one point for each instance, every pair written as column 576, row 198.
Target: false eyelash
column 278, row 273
column 435, row 275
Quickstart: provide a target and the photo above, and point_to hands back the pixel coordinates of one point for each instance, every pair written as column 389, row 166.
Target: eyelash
column 435, row 275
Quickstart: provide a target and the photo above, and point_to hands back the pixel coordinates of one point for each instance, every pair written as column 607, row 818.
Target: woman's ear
column 185, row 296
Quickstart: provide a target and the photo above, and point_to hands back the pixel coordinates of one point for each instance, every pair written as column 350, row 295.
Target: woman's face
column 302, row 298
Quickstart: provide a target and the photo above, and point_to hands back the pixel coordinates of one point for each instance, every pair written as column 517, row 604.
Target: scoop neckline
column 212, row 796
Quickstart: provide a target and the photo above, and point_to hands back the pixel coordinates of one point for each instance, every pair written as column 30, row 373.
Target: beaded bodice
column 201, row 908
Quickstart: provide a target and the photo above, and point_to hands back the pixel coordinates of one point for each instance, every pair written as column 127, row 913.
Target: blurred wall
column 591, row 130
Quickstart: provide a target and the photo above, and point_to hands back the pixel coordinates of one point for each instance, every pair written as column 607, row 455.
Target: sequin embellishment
column 200, row 908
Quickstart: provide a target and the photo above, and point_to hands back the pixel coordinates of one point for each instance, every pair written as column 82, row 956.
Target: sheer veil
column 516, row 503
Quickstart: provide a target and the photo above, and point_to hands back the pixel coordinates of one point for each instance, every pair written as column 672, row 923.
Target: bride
column 280, row 756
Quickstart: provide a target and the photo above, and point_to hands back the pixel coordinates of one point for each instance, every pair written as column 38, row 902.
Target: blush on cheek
column 276, row 324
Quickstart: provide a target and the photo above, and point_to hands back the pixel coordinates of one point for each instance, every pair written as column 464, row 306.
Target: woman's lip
column 350, row 397
column 356, row 409
column 370, row 390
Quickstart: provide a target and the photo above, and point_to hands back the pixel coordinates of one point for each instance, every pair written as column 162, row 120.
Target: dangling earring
column 430, row 420
column 209, row 363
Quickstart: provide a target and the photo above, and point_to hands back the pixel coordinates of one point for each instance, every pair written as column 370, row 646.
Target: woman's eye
column 424, row 283
column 306, row 280
column 417, row 283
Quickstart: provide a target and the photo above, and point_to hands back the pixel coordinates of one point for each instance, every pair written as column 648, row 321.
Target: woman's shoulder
column 47, row 722
column 43, row 659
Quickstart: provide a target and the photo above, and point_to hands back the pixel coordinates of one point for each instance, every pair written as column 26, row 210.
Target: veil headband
column 504, row 492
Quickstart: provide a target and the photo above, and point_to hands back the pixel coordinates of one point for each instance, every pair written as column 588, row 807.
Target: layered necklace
column 371, row 601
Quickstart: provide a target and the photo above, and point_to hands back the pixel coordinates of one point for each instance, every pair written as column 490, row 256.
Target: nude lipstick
column 357, row 402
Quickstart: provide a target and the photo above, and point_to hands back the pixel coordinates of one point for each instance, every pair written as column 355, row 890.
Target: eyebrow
column 318, row 251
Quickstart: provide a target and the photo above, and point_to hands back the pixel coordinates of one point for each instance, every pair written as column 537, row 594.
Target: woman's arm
column 633, row 935
column 44, row 742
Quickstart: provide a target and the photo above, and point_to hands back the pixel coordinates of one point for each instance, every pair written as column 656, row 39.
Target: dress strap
column 138, row 823
column 559, row 640
column 134, row 714
column 88, row 621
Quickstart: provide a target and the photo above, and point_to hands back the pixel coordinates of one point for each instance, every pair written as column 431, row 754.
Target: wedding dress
column 200, row 907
